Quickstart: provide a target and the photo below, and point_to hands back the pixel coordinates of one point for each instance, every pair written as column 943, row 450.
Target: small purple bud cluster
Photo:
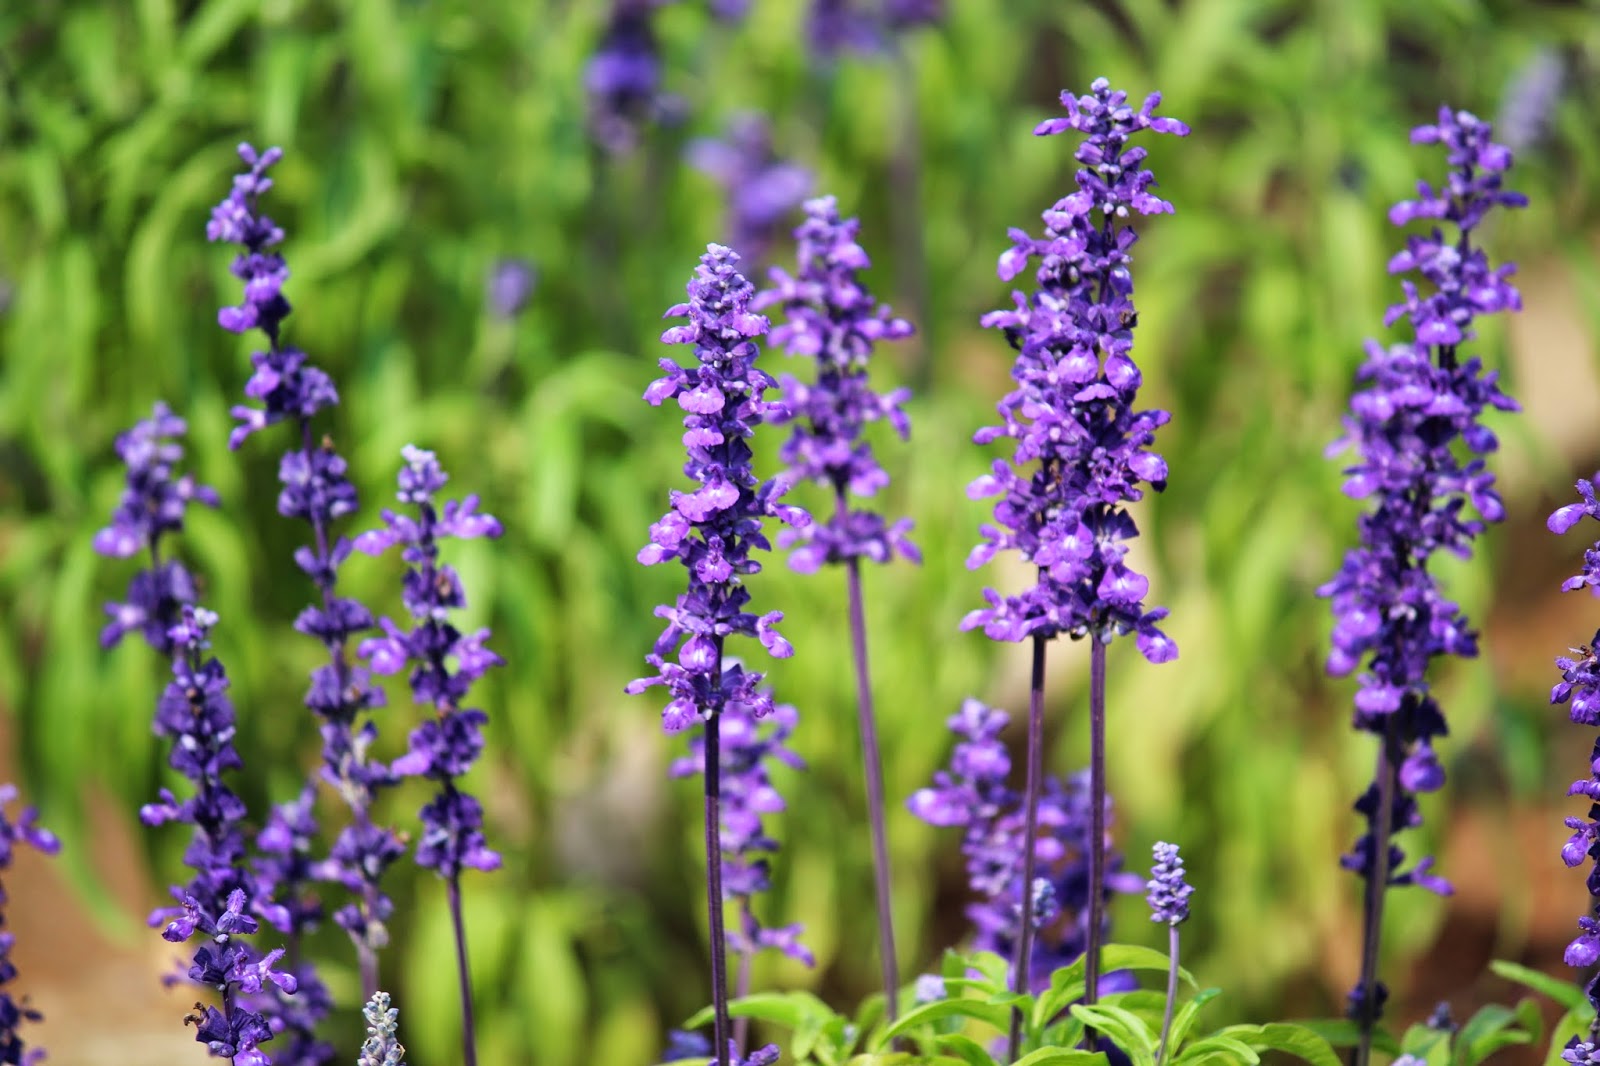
column 316, row 491
column 1408, row 428
column 745, row 750
column 382, row 1046
column 197, row 715
column 832, row 318
column 1080, row 448
column 1579, row 689
column 1169, row 890
column 712, row 529
column 974, row 796
column 442, row 748
column 153, row 504
column 761, row 188
column 623, row 78
column 25, row 830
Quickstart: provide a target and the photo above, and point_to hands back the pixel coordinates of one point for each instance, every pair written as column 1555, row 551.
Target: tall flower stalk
column 1419, row 443
column 1080, row 452
column 287, row 387
column 833, row 319
column 712, row 530
column 1169, row 905
column 24, row 830
column 444, row 663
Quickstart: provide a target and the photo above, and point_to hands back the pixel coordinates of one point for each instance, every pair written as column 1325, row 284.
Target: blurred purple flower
column 833, row 319
column 24, row 830
column 868, row 26
column 623, row 77
column 761, row 189
column 511, row 285
column 1528, row 104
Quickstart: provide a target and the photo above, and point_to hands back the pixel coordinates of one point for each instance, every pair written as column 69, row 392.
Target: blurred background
column 484, row 223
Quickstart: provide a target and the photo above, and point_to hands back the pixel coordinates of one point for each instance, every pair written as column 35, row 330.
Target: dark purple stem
column 1097, row 822
column 719, row 940
column 1372, row 911
column 469, row 1038
column 1023, row 964
column 872, row 763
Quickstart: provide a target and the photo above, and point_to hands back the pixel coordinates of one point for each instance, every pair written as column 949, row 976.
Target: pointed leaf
column 1290, row 1038
column 1566, row 993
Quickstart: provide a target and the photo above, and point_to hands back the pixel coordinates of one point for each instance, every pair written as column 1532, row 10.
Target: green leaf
column 1062, row 1056
column 1287, row 1037
column 1184, row 1018
column 991, row 1014
column 1127, row 1029
column 1067, row 983
column 1238, row 1050
column 1566, row 993
column 964, row 1048
column 1342, row 1032
column 1487, row 1032
column 789, row 1009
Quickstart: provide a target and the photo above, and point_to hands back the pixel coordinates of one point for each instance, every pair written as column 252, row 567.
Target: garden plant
column 636, row 736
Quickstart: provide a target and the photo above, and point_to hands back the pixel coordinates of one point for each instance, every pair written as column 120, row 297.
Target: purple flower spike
column 444, row 662
column 761, row 188
column 712, row 529
column 866, row 26
column 286, row 387
column 1169, row 891
column 746, row 751
column 24, row 830
column 831, row 318
column 1419, row 441
column 973, row 795
column 1080, row 450
column 153, row 504
column 623, row 78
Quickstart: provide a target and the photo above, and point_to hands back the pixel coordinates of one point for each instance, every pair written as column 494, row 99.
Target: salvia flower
column 712, row 529
column 1419, row 441
column 1579, row 689
column 382, row 1046
column 287, row 387
column 866, row 26
column 153, row 504
column 221, row 899
column 761, row 188
column 746, row 750
column 623, row 78
column 1169, row 891
column 1529, row 102
column 831, row 317
column 1080, row 449
column 973, row 795
column 25, row 829
column 444, row 662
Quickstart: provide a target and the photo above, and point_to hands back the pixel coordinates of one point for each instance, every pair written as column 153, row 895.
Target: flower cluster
column 153, row 503
column 832, row 318
column 1419, row 443
column 25, row 830
column 973, row 795
column 442, row 748
column 382, row 1046
column 712, row 529
column 746, row 748
column 760, row 187
column 834, row 26
column 287, row 387
column 196, row 714
column 623, row 78
column 1169, row 890
column 1080, row 448
column 1579, row 689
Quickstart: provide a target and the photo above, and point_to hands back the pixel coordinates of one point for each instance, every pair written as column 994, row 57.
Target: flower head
column 712, row 529
column 623, row 78
column 382, row 1046
column 832, row 319
column 1169, row 891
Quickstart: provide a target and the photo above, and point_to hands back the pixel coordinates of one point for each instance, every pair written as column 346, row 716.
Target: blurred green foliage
column 425, row 140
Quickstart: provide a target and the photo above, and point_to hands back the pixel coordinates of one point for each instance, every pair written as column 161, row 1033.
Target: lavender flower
column 832, row 318
column 711, row 531
column 443, row 748
column 510, row 287
column 761, row 188
column 1169, row 904
column 1528, row 104
column 1420, row 401
column 316, row 490
column 24, row 830
column 153, row 504
column 623, row 78
column 747, row 747
column 382, row 1046
column 196, row 714
column 973, row 795
column 1579, row 689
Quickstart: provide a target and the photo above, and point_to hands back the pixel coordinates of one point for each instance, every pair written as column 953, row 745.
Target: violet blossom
column 287, row 387
column 832, row 318
column 25, row 829
column 623, row 77
column 761, row 188
column 973, row 795
column 1168, row 889
column 1417, row 433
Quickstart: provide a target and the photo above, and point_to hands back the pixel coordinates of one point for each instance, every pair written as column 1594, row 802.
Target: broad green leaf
column 1186, row 1014
column 1342, row 1032
column 997, row 1016
column 788, row 1009
column 1062, row 1056
column 1067, row 984
column 1126, row 1029
column 1287, row 1037
column 1566, row 993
